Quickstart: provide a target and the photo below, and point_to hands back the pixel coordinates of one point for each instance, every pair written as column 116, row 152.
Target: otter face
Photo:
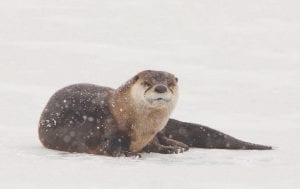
column 155, row 89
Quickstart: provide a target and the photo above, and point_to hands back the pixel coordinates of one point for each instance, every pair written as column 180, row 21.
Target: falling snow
column 238, row 69
column 91, row 119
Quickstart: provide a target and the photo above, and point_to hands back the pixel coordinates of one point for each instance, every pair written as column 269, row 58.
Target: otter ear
column 135, row 78
column 176, row 79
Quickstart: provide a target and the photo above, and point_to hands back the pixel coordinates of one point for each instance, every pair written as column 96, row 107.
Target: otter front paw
column 118, row 145
column 126, row 154
column 170, row 149
column 133, row 154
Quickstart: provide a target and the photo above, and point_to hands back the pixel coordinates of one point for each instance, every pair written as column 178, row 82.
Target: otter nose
column 160, row 89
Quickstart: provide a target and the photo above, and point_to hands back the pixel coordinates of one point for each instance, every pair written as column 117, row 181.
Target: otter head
column 155, row 89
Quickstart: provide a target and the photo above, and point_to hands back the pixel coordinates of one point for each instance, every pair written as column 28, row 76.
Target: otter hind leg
column 195, row 135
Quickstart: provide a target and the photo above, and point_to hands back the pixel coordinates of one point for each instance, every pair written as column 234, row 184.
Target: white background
column 238, row 68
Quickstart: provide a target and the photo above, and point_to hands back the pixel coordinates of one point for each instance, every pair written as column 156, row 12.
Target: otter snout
column 160, row 89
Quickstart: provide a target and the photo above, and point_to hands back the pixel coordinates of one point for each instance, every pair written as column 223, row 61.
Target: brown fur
column 87, row 118
column 100, row 120
column 142, row 123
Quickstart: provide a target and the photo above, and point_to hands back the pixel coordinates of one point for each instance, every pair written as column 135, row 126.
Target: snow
column 238, row 69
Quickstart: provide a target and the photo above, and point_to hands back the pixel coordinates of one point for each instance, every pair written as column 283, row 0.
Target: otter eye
column 146, row 84
column 176, row 79
column 171, row 84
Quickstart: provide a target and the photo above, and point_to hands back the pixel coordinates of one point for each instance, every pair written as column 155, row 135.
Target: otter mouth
column 159, row 100
column 162, row 99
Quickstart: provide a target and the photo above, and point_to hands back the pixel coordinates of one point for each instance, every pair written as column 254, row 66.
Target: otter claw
column 134, row 155
column 137, row 156
column 180, row 150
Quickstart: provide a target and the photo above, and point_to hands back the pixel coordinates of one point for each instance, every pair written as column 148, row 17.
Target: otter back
column 77, row 119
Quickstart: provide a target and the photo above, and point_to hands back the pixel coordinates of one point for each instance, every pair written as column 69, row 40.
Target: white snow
column 238, row 64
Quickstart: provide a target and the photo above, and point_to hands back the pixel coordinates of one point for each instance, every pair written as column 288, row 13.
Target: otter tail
column 200, row 136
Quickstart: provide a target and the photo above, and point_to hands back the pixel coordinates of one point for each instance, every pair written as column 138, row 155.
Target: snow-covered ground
column 238, row 64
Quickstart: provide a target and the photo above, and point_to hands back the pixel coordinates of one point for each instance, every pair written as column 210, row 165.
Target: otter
column 87, row 118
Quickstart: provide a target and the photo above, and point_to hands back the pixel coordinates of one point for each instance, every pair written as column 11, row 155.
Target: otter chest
column 142, row 134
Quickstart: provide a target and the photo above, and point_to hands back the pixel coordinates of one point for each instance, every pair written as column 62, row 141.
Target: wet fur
column 139, row 119
column 76, row 119
column 87, row 118
column 93, row 119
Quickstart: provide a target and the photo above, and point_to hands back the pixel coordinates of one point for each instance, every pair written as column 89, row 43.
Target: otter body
column 87, row 118
column 100, row 120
